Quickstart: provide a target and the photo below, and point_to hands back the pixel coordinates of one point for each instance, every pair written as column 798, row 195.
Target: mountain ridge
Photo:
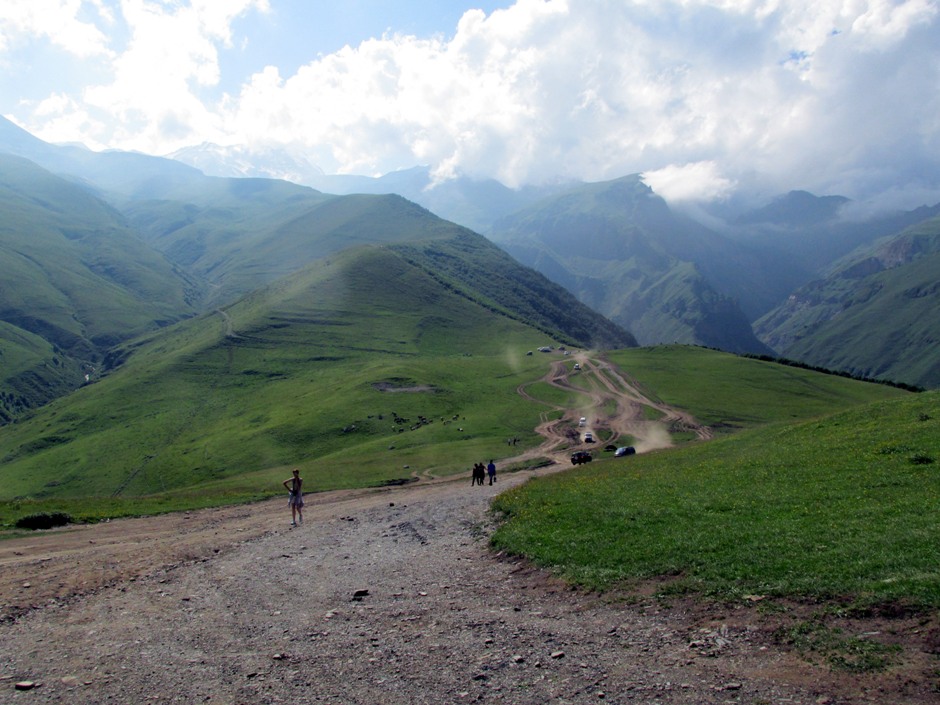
column 208, row 241
column 833, row 320
column 614, row 243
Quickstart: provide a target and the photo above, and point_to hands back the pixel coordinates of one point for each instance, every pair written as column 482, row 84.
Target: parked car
column 588, row 437
column 581, row 456
column 624, row 450
column 582, row 421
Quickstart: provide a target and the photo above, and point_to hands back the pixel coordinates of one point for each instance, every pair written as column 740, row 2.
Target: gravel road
column 380, row 597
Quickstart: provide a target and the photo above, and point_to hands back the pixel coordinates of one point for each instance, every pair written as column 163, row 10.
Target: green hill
column 75, row 280
column 332, row 368
column 240, row 234
column 874, row 315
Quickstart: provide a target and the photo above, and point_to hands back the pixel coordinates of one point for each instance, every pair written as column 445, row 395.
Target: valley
column 674, row 268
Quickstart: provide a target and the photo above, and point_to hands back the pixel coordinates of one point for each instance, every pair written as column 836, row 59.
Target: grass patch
column 855, row 654
column 815, row 510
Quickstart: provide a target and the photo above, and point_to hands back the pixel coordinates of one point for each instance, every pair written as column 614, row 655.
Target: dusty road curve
column 382, row 596
column 604, row 387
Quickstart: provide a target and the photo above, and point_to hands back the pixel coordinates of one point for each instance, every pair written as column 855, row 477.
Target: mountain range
column 102, row 247
column 727, row 276
column 163, row 329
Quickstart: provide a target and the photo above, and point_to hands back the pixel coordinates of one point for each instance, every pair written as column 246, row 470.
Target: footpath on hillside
column 384, row 595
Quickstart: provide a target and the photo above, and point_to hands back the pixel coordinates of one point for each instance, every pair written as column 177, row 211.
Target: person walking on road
column 491, row 471
column 295, row 499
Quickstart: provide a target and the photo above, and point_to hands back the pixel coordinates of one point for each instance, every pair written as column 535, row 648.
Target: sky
column 706, row 98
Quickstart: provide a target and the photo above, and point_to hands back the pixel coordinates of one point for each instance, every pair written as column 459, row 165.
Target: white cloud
column 701, row 181
column 831, row 95
column 158, row 77
column 55, row 20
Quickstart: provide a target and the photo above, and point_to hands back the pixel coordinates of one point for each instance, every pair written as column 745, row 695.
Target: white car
column 588, row 437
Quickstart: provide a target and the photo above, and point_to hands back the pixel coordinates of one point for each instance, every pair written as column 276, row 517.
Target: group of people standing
column 295, row 499
column 481, row 471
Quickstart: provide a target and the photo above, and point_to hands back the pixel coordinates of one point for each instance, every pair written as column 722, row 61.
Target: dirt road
column 382, row 596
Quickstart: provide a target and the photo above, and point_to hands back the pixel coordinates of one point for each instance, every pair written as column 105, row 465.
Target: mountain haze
column 814, row 232
column 474, row 203
column 623, row 252
column 874, row 314
column 75, row 281
column 118, row 244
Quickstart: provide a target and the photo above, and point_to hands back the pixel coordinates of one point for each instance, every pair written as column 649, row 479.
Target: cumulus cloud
column 55, row 20
column 701, row 181
column 160, row 59
column 702, row 96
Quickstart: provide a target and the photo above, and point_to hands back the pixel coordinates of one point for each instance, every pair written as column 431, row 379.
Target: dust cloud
column 655, row 436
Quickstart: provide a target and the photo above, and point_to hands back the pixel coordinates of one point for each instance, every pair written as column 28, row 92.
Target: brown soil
column 393, row 596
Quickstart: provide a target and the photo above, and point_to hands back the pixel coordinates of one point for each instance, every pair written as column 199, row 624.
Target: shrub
column 43, row 520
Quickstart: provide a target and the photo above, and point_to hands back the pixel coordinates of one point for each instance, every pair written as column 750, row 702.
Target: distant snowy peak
column 238, row 161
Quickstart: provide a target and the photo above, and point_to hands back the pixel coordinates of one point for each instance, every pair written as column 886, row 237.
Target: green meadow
column 839, row 504
column 730, row 393
column 354, row 389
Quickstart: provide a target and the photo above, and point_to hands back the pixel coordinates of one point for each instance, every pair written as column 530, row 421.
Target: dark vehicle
column 581, row 456
column 627, row 450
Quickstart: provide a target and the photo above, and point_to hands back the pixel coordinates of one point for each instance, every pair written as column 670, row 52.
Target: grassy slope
column 891, row 333
column 70, row 259
column 73, row 280
column 470, row 264
column 729, row 392
column 875, row 315
column 840, row 505
column 227, row 414
column 34, row 371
